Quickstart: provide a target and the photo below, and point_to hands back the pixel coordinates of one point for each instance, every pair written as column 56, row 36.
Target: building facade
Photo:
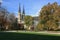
column 21, row 16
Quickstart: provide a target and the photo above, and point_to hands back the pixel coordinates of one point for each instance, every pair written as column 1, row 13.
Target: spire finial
column 23, row 10
column 19, row 8
column 23, row 13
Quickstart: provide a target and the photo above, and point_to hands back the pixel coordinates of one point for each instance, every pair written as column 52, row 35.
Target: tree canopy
column 49, row 16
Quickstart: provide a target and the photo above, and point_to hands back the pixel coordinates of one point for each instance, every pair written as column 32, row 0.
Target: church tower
column 23, row 13
column 19, row 15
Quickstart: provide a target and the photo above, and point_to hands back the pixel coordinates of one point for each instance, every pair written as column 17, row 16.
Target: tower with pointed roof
column 19, row 14
column 23, row 13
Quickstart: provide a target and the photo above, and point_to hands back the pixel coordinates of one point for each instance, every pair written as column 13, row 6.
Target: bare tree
column 3, row 17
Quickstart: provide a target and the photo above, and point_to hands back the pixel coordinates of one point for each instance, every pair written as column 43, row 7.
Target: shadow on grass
column 24, row 36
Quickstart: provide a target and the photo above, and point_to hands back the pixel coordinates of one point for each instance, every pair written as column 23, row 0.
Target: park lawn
column 28, row 36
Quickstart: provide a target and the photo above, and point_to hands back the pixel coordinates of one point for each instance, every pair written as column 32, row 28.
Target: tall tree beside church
column 47, row 14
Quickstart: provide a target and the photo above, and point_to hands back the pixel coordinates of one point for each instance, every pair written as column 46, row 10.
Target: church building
column 20, row 18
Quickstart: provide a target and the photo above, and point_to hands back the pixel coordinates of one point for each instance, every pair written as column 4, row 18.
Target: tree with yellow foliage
column 49, row 17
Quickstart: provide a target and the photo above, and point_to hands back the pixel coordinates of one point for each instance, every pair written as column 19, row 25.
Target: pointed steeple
column 19, row 14
column 23, row 10
column 19, row 8
column 23, row 13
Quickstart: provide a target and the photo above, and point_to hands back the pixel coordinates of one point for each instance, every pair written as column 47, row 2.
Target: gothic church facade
column 21, row 16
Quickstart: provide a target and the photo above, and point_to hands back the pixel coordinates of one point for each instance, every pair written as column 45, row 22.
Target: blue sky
column 32, row 7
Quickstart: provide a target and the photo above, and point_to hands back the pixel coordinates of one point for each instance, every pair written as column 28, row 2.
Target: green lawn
column 28, row 36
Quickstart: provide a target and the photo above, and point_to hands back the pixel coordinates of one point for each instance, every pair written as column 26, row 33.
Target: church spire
column 23, row 13
column 23, row 10
column 19, row 14
column 19, row 8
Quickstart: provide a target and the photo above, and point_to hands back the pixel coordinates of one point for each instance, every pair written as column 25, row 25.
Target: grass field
column 28, row 36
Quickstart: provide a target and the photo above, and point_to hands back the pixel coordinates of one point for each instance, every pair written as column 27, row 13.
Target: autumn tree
column 49, row 16
column 28, row 20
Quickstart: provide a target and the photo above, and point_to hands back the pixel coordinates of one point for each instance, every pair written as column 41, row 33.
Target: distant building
column 35, row 22
column 21, row 16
